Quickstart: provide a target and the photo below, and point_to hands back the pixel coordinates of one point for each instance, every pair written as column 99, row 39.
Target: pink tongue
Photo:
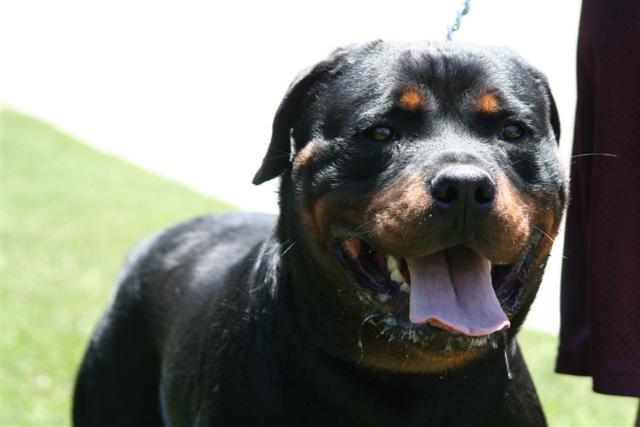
column 452, row 289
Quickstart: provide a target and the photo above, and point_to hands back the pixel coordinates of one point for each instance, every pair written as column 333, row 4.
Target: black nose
column 466, row 188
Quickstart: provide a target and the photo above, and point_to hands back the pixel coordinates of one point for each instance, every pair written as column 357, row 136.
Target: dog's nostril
column 445, row 193
column 485, row 193
column 446, row 190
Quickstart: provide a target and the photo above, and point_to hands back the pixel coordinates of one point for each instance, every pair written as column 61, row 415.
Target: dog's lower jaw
column 336, row 320
column 337, row 324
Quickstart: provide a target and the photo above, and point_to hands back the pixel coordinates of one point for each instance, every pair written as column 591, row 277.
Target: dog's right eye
column 512, row 132
column 379, row 133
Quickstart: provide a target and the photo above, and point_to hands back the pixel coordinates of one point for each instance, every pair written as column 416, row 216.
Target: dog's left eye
column 379, row 133
column 512, row 132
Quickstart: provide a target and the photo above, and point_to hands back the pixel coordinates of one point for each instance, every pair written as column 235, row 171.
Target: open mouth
column 457, row 289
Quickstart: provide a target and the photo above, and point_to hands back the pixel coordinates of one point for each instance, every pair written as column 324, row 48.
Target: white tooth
column 392, row 263
column 397, row 277
column 405, row 288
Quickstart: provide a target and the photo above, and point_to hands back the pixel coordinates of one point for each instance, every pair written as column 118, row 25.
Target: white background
column 188, row 89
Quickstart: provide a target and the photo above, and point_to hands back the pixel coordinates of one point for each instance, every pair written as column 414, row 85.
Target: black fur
column 244, row 319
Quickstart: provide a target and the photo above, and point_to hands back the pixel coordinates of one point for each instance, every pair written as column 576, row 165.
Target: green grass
column 69, row 215
column 568, row 400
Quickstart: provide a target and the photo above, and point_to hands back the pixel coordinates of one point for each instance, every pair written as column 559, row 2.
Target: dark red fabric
column 600, row 300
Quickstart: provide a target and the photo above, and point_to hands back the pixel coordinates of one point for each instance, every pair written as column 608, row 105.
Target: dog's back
column 164, row 290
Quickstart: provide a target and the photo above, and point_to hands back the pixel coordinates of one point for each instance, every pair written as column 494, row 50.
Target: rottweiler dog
column 420, row 193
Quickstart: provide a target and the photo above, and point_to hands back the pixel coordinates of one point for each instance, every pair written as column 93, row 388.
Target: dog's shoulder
column 210, row 242
column 189, row 262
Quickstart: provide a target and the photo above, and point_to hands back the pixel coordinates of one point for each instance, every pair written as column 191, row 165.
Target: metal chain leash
column 456, row 25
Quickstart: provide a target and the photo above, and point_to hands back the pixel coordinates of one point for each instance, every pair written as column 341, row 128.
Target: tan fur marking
column 310, row 220
column 395, row 210
column 513, row 212
column 411, row 99
column 488, row 102
column 547, row 220
column 303, row 156
column 389, row 214
column 325, row 209
column 416, row 360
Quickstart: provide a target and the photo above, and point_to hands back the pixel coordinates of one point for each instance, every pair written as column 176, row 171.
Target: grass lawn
column 68, row 216
column 568, row 400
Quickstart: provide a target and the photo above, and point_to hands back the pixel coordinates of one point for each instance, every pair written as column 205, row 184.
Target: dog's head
column 421, row 191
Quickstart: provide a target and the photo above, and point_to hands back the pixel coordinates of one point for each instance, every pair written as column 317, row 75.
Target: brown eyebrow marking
column 302, row 158
column 488, row 102
column 412, row 98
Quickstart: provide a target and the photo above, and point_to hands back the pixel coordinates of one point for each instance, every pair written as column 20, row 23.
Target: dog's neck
column 296, row 363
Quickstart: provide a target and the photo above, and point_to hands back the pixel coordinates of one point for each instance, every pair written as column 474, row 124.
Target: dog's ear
column 279, row 152
column 543, row 85
column 554, row 117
